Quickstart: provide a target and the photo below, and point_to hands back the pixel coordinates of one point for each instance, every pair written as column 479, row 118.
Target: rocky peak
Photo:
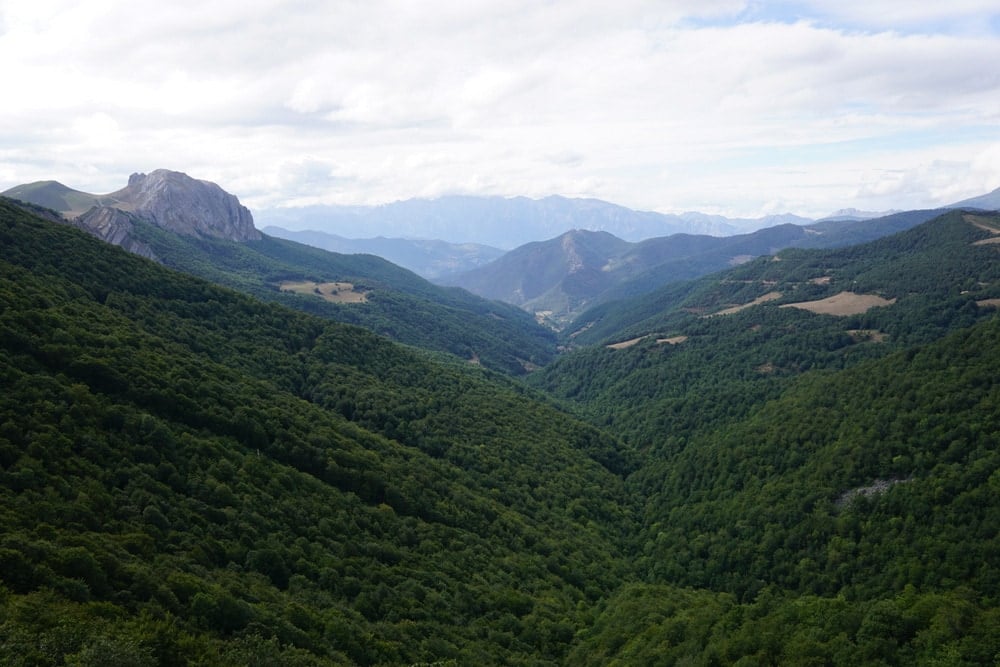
column 184, row 205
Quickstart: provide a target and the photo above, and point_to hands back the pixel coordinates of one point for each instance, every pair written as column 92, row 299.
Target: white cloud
column 658, row 105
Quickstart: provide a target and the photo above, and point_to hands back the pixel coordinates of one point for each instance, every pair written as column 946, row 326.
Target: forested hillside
column 853, row 521
column 397, row 303
column 791, row 463
column 933, row 261
column 190, row 476
column 712, row 349
column 820, row 488
column 357, row 289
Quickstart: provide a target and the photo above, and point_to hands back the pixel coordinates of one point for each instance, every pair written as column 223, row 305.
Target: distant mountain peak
column 989, row 201
column 856, row 214
column 168, row 199
column 184, row 205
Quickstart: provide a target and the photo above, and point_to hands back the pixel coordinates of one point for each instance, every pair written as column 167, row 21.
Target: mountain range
column 504, row 222
column 791, row 460
column 559, row 279
column 510, row 222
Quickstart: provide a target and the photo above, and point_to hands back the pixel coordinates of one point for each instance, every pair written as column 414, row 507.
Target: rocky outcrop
column 114, row 226
column 188, row 206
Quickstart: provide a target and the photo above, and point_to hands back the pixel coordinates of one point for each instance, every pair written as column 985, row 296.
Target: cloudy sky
column 720, row 106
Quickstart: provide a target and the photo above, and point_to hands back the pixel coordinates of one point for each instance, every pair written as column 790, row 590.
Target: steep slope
column 558, row 279
column 197, row 227
column 988, row 202
column 640, row 305
column 169, row 199
column 368, row 291
column 548, row 278
column 817, row 485
column 722, row 344
column 114, row 226
column 190, row 476
column 190, row 207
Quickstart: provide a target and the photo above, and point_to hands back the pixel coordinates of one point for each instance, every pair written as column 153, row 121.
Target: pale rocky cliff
column 184, row 205
column 114, row 226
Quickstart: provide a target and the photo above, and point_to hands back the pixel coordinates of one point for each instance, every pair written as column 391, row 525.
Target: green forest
column 400, row 305
column 198, row 473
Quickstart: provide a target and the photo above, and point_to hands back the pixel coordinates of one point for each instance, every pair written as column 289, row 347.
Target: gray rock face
column 114, row 226
column 184, row 205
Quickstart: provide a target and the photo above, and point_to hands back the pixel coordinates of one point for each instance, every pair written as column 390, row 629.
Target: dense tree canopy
column 187, row 472
column 399, row 304
column 191, row 476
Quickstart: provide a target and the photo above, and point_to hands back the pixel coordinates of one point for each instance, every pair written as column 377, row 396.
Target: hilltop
column 169, row 199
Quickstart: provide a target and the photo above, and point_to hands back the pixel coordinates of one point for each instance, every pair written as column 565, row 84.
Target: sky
column 721, row 106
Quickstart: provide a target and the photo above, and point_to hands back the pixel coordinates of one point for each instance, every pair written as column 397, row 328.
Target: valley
column 257, row 452
column 559, row 279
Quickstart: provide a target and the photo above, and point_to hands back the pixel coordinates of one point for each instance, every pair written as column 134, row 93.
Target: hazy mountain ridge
column 427, row 258
column 505, row 222
column 988, row 202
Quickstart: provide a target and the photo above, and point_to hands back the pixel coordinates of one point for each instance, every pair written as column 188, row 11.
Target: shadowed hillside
column 191, row 475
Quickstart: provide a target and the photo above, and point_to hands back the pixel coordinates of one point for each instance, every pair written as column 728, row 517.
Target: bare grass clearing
column 770, row 296
column 335, row 292
column 625, row 343
column 844, row 303
column 672, row 340
column 982, row 222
